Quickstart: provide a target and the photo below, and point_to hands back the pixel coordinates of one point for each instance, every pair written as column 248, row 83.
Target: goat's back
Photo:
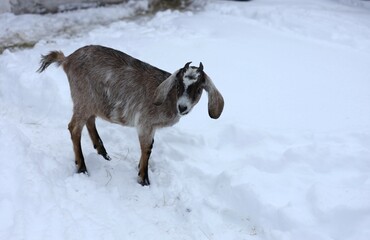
column 111, row 84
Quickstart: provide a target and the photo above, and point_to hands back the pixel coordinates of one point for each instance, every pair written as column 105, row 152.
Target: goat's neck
column 167, row 111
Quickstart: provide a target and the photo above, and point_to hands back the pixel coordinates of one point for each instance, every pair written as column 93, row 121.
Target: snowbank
column 4, row 6
column 288, row 159
column 27, row 29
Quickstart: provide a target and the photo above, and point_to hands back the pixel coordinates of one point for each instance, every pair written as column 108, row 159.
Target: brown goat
column 112, row 85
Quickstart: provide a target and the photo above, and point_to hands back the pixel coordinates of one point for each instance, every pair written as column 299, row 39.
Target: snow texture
column 288, row 159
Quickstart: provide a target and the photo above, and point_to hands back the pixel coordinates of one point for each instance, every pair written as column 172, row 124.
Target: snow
column 289, row 157
column 28, row 29
column 4, row 6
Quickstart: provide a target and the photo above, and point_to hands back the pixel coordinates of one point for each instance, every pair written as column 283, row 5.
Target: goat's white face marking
column 190, row 90
column 190, row 77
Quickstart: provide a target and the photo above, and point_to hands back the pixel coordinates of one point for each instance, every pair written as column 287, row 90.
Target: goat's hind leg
column 95, row 138
column 75, row 128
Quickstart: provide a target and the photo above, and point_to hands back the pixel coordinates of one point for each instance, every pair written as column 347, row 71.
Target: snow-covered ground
column 288, row 159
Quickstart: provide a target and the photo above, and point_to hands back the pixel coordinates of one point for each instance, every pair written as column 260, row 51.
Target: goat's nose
column 182, row 108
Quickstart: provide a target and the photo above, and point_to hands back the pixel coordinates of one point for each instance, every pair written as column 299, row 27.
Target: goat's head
column 190, row 82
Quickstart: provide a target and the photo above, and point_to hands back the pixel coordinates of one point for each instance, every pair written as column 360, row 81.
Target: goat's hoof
column 143, row 181
column 83, row 170
column 106, row 157
column 104, row 153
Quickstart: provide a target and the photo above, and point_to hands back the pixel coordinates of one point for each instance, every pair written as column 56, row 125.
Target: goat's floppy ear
column 215, row 99
column 164, row 88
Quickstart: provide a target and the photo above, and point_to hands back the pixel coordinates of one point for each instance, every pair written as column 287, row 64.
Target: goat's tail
column 53, row 57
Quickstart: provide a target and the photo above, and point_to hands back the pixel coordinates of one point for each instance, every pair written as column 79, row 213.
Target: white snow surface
column 289, row 158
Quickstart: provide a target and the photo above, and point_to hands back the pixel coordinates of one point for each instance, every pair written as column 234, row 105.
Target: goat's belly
column 126, row 118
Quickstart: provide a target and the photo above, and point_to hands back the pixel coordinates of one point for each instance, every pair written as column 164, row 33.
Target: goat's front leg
column 146, row 145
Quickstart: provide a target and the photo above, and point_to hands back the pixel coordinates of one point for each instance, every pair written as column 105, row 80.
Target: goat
column 114, row 86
